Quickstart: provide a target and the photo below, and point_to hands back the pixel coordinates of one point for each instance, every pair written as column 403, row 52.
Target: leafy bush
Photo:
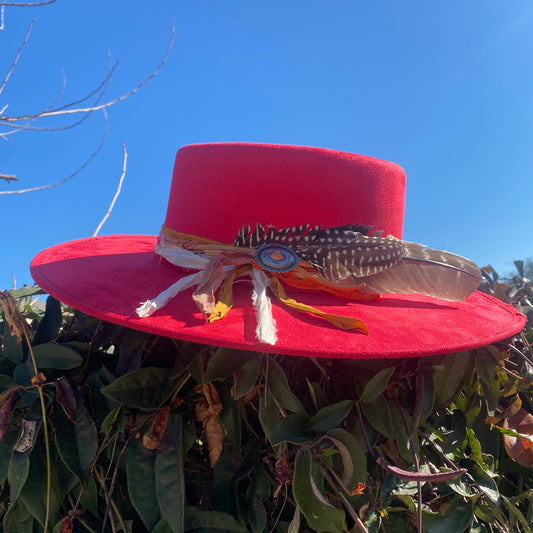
column 108, row 429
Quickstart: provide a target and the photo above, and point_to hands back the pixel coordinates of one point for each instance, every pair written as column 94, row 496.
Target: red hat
column 282, row 197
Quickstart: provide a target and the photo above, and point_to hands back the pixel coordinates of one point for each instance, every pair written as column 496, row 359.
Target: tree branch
column 63, row 111
column 24, row 4
column 70, row 176
column 111, row 205
column 17, row 57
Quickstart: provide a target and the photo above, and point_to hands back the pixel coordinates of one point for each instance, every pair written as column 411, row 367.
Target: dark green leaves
column 377, row 385
column 56, row 356
column 76, row 441
column 155, row 479
column 146, row 388
column 319, row 513
column 168, row 471
column 457, row 518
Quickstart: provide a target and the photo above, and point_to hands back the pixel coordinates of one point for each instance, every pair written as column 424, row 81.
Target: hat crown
column 216, row 188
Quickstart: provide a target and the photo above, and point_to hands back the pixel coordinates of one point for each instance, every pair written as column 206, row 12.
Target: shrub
column 108, row 429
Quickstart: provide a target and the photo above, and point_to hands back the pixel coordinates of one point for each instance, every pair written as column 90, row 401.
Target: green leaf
column 17, row 474
column 291, row 429
column 482, row 479
column 357, row 457
column 226, row 361
column 319, row 513
column 77, row 442
column 330, row 416
column 169, row 481
column 377, row 385
column 450, row 375
column 33, row 494
column 56, row 356
column 197, row 519
column 279, row 386
column 140, row 471
column 6, row 382
column 89, row 497
column 230, row 417
column 19, row 520
column 50, row 324
column 516, row 514
column 6, row 445
column 425, row 398
column 162, row 527
column 23, row 375
column 26, row 291
column 247, row 377
column 146, row 388
column 268, row 416
column 378, row 415
column 457, row 518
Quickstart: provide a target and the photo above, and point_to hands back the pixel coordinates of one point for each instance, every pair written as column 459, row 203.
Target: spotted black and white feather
column 351, row 253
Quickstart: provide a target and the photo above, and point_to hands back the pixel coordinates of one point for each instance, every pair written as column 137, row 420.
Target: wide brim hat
column 216, row 189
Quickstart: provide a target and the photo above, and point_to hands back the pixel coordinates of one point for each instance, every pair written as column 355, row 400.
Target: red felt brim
column 108, row 277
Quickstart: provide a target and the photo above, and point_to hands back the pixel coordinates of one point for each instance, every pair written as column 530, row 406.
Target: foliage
column 109, row 429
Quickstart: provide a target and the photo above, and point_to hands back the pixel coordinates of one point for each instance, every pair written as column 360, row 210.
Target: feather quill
column 352, row 255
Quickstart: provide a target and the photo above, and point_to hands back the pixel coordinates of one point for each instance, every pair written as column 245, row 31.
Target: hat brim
column 108, row 277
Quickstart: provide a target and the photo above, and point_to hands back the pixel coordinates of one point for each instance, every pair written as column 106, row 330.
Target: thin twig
column 113, row 481
column 100, row 90
column 74, row 174
column 515, row 350
column 111, row 205
column 105, row 105
column 17, row 57
column 24, row 4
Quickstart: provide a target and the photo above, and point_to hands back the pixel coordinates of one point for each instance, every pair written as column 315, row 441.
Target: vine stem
column 46, row 435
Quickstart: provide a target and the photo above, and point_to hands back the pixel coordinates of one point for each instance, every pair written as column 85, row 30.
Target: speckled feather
column 384, row 264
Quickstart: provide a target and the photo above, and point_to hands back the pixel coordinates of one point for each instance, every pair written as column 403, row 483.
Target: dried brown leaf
column 66, row 525
column 520, row 448
column 152, row 438
column 12, row 316
column 207, row 411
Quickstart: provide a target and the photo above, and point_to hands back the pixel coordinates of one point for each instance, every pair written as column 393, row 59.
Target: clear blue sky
column 445, row 89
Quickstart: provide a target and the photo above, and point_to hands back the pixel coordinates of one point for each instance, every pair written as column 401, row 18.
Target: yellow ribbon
column 340, row 321
column 305, row 279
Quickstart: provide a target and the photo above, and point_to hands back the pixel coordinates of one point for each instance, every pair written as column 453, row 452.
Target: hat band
column 217, row 267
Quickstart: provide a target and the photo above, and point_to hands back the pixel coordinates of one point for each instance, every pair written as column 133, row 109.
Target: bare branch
column 61, row 112
column 24, row 4
column 17, row 57
column 111, row 205
column 69, row 177
column 8, row 177
column 102, row 88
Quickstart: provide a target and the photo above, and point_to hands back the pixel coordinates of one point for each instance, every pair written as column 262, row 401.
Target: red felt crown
column 216, row 189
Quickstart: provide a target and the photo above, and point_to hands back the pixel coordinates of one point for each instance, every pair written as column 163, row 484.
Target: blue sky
column 445, row 89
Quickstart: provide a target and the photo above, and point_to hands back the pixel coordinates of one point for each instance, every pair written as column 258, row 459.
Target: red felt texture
column 216, row 188
column 108, row 277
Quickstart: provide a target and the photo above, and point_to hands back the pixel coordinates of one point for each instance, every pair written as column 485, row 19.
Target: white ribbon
column 266, row 326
